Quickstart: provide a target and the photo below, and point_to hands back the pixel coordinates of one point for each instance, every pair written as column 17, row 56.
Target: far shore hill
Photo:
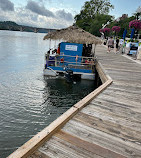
column 12, row 26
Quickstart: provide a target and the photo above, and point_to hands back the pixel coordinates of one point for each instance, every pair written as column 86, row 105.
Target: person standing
column 110, row 44
column 117, row 44
column 121, row 42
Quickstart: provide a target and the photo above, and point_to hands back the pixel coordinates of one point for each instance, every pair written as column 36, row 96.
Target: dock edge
column 30, row 146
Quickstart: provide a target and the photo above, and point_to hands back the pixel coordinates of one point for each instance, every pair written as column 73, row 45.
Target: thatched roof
column 73, row 34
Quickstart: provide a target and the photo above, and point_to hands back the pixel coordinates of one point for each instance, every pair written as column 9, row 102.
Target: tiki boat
column 71, row 60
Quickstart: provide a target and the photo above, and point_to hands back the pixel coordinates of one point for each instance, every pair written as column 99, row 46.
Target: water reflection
column 62, row 94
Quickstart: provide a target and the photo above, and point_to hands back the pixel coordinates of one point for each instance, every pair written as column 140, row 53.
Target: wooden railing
column 29, row 147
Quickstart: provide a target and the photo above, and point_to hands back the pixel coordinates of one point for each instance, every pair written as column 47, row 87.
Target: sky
column 55, row 13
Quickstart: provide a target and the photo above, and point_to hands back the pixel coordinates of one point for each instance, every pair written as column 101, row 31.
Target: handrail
column 90, row 63
column 57, row 55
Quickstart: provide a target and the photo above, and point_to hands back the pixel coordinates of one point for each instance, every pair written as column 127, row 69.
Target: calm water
column 28, row 101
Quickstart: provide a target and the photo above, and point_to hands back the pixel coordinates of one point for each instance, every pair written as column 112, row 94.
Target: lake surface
column 28, row 101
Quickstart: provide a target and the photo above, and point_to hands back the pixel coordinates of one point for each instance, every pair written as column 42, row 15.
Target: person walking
column 121, row 43
column 117, row 45
column 110, row 44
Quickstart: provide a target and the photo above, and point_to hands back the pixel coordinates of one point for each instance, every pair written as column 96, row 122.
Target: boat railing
column 80, row 62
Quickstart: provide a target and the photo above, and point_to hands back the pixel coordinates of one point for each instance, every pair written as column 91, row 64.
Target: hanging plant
column 116, row 28
column 136, row 24
column 106, row 30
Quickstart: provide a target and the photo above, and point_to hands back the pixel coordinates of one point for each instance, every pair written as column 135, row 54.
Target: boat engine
column 69, row 75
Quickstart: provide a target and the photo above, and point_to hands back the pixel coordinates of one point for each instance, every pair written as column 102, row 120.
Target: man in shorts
column 110, row 44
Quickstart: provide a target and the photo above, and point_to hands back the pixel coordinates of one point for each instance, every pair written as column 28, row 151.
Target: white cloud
column 63, row 15
column 37, row 17
column 36, row 8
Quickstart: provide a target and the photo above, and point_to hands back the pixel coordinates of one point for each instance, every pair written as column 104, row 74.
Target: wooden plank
column 120, row 99
column 128, row 85
column 109, row 127
column 38, row 154
column 91, row 135
column 96, row 149
column 126, row 89
column 124, row 94
column 134, row 105
column 123, row 120
column 124, row 75
column 60, row 148
column 123, row 69
column 121, row 110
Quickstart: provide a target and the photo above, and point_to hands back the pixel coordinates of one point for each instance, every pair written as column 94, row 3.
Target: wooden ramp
column 105, row 124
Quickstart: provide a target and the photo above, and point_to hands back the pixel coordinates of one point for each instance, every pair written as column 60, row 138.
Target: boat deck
column 106, row 126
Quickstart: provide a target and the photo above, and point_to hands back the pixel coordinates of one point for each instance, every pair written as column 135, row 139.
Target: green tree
column 97, row 23
column 90, row 11
column 93, row 7
column 124, row 24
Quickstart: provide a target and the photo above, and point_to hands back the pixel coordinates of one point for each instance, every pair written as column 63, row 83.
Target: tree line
column 95, row 13
column 12, row 26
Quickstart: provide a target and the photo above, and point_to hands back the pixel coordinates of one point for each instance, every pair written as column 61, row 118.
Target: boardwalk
column 109, row 126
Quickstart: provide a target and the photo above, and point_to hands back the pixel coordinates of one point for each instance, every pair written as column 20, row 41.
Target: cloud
column 41, row 10
column 42, row 1
column 37, row 15
column 63, row 15
column 6, row 5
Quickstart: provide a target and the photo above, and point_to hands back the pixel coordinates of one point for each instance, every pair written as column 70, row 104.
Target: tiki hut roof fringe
column 73, row 34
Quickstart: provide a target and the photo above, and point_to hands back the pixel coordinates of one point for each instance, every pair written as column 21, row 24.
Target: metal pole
column 49, row 44
column 94, row 50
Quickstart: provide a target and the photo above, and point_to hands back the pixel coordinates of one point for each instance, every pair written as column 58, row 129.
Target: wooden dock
column 105, row 124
